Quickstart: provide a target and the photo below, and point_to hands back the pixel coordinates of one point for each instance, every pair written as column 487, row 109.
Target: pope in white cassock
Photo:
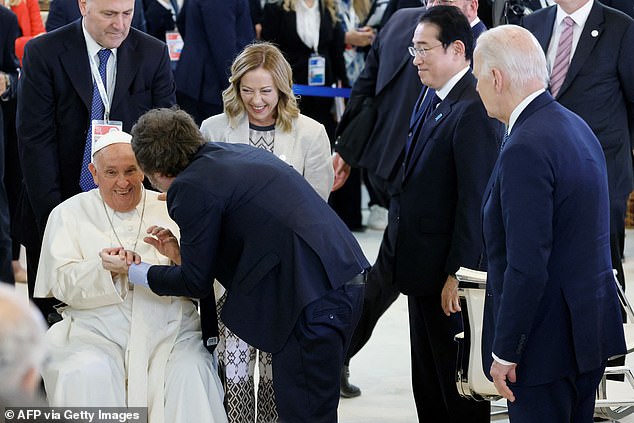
column 114, row 335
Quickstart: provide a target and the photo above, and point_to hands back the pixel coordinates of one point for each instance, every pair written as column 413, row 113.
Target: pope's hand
column 165, row 242
column 117, row 259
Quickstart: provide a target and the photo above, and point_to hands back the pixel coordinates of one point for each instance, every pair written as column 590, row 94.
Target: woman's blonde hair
column 361, row 8
column 329, row 5
column 268, row 57
column 13, row 3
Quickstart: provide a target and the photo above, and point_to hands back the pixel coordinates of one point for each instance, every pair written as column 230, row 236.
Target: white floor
column 382, row 368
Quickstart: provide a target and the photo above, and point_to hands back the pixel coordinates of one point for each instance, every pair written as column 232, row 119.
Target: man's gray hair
column 516, row 52
column 22, row 343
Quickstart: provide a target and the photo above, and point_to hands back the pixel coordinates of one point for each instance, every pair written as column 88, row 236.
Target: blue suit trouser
column 566, row 400
column 306, row 371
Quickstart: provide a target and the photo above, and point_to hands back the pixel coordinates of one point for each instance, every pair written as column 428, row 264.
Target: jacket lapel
column 435, row 120
column 77, row 65
column 127, row 68
column 592, row 30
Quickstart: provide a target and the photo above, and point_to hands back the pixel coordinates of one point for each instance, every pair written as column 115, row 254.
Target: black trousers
column 434, row 354
column 306, row 371
column 380, row 293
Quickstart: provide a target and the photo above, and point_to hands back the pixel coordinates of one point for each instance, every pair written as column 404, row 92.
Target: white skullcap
column 113, row 137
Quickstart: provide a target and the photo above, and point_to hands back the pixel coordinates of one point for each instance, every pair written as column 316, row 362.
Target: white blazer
column 306, row 147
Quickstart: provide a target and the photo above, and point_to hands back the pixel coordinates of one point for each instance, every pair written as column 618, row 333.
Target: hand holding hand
column 165, row 242
column 449, row 297
column 500, row 374
column 118, row 260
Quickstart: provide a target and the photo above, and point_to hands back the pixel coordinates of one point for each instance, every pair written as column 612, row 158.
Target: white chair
column 470, row 377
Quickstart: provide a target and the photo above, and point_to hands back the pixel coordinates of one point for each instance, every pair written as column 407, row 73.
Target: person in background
column 161, row 15
column 117, row 346
column 8, row 83
column 303, row 29
column 551, row 313
column 261, row 111
column 23, row 348
column 62, row 12
column 203, row 69
column 30, row 25
column 29, row 21
column 60, row 103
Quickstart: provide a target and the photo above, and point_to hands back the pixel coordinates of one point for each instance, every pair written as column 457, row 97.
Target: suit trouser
column 566, row 400
column 434, row 353
column 618, row 207
column 306, row 371
column 380, row 293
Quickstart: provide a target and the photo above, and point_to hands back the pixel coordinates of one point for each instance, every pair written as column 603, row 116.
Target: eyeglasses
column 421, row 52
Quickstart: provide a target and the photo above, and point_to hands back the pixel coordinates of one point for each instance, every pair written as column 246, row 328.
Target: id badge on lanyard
column 98, row 127
column 316, row 70
column 175, row 43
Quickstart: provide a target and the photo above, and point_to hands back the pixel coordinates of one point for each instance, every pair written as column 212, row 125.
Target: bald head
column 509, row 64
column 22, row 346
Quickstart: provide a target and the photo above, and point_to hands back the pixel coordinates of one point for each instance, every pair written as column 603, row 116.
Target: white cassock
column 111, row 336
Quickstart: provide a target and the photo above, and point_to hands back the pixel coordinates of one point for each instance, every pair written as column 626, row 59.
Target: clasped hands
column 118, row 259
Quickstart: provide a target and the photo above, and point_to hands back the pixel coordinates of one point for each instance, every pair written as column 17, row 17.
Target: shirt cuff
column 499, row 360
column 137, row 273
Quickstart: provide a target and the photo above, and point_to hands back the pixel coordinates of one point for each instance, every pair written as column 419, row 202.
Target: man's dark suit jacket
column 9, row 65
column 254, row 223
column 393, row 81
column 435, row 219
column 551, row 303
column 214, row 31
column 54, row 100
column 62, row 12
column 158, row 19
column 599, row 85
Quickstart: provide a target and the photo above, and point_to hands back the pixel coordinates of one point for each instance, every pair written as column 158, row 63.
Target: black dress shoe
column 347, row 390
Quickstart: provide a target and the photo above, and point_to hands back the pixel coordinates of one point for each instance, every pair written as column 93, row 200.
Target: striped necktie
column 562, row 59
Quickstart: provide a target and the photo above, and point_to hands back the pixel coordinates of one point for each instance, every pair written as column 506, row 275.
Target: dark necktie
column 97, row 110
column 428, row 106
column 506, row 137
column 175, row 6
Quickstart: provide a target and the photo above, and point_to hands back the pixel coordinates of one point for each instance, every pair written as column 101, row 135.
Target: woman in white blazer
column 261, row 110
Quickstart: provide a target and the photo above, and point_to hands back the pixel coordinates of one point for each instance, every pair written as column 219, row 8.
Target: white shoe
column 378, row 218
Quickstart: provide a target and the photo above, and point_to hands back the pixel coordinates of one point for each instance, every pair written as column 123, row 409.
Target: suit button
column 398, row 218
column 331, row 316
column 409, row 134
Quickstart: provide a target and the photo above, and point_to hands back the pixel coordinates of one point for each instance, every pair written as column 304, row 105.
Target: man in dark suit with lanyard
column 588, row 48
column 92, row 74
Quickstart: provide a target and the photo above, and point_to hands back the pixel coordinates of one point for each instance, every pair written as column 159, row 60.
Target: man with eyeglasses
column 435, row 225
column 394, row 85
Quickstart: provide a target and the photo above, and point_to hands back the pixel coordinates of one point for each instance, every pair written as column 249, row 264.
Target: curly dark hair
column 165, row 140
